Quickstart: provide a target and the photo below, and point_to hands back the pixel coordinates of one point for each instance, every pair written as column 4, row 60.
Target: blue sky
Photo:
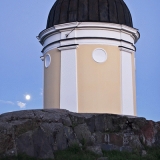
column 21, row 70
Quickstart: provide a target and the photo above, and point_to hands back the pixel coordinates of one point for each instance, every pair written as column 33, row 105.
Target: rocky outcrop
column 40, row 133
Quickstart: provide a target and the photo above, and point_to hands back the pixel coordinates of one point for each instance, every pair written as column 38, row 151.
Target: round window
column 47, row 60
column 99, row 55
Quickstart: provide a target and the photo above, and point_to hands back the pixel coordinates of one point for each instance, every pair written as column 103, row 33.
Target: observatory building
column 89, row 57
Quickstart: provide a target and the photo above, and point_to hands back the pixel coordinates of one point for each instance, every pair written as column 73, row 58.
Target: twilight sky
column 21, row 70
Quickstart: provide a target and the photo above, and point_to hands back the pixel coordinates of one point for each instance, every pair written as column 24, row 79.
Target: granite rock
column 40, row 133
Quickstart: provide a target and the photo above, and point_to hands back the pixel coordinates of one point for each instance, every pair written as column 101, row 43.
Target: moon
column 28, row 97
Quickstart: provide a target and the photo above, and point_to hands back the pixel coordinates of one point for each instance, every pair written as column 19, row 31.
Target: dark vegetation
column 76, row 153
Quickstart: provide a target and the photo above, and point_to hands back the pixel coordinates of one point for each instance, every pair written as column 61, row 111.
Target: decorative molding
column 125, row 49
column 67, row 47
column 50, row 47
column 44, row 32
column 88, row 40
column 92, row 26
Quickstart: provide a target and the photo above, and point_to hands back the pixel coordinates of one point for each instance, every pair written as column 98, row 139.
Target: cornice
column 85, row 25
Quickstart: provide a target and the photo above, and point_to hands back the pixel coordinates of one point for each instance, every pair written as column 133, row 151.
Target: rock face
column 40, row 133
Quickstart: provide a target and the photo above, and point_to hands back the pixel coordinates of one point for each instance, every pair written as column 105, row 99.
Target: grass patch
column 19, row 157
column 152, row 154
column 76, row 153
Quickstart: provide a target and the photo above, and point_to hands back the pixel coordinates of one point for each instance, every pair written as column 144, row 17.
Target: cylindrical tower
column 89, row 57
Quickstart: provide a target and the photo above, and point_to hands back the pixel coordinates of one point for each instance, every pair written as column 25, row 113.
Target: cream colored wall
column 134, row 82
column 52, row 81
column 98, row 83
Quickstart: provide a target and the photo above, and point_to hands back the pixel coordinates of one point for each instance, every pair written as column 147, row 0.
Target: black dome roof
column 110, row 11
